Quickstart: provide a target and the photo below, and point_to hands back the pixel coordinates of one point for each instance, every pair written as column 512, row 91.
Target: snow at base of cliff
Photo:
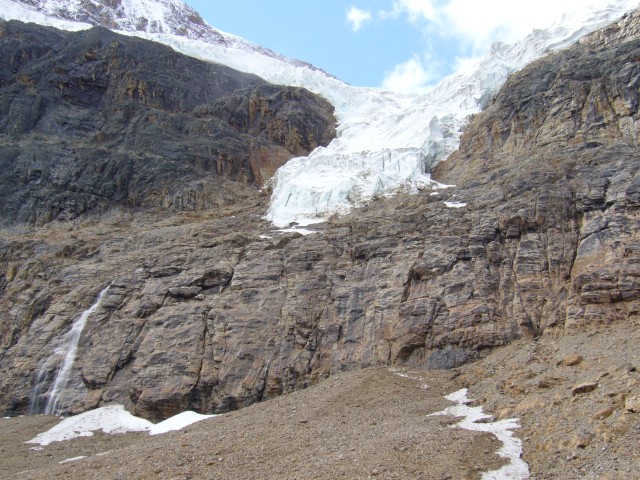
column 385, row 141
column 112, row 419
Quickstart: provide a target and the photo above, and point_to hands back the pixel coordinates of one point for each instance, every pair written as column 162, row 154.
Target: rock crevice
column 226, row 312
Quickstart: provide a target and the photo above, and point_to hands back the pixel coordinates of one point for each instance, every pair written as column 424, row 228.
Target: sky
column 402, row 45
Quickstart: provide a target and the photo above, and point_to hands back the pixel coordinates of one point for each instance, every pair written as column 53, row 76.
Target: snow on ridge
column 10, row 10
column 385, row 141
column 150, row 19
column 159, row 16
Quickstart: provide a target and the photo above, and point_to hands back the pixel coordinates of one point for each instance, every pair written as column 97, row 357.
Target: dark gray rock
column 92, row 120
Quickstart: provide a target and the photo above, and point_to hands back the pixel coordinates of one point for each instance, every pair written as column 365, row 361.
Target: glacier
column 385, row 141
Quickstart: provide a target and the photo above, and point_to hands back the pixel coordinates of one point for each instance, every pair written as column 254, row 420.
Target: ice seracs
column 385, row 141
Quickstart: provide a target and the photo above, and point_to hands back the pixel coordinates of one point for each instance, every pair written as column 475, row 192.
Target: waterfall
column 68, row 350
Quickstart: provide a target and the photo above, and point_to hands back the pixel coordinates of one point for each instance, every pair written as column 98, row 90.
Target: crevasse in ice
column 385, row 141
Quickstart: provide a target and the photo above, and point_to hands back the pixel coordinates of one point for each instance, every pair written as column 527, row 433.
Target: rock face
column 559, row 148
column 92, row 120
column 212, row 310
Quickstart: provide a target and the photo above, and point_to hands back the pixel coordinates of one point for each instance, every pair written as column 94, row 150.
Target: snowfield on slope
column 385, row 141
column 112, row 419
column 474, row 419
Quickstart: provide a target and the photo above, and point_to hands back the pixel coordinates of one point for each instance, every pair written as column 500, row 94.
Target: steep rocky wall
column 214, row 310
column 566, row 129
column 92, row 120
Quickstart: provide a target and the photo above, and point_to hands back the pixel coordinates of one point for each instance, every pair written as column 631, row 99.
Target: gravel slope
column 374, row 423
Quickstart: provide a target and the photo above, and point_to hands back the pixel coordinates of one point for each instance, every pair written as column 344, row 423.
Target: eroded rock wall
column 93, row 120
column 563, row 136
column 215, row 310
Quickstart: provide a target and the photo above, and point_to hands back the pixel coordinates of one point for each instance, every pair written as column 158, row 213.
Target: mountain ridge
column 378, row 154
column 93, row 120
column 523, row 279
column 228, row 311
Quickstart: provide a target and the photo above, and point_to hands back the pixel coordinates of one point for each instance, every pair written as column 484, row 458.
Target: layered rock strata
column 94, row 120
column 214, row 310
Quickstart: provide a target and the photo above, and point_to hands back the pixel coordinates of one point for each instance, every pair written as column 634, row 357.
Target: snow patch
column 177, row 422
column 511, row 449
column 301, row 231
column 410, row 377
column 112, row 419
column 73, row 459
column 109, row 419
column 455, row 204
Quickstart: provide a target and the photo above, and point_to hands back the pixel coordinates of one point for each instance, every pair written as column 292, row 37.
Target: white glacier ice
column 385, row 141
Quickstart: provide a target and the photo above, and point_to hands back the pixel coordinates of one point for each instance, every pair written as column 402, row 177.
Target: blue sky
column 404, row 45
column 316, row 32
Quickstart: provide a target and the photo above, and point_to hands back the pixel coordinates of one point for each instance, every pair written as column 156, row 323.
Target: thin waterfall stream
column 69, row 350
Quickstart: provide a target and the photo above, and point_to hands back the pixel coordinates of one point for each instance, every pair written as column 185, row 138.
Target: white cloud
column 476, row 24
column 416, row 9
column 468, row 28
column 411, row 76
column 481, row 23
column 357, row 17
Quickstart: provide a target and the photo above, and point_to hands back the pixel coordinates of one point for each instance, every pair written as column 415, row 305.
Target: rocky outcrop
column 559, row 147
column 213, row 310
column 92, row 120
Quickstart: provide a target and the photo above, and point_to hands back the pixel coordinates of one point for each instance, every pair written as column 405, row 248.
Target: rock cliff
column 94, row 120
column 213, row 310
column 558, row 149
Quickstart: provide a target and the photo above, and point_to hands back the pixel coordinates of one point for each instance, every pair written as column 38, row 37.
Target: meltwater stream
column 68, row 351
